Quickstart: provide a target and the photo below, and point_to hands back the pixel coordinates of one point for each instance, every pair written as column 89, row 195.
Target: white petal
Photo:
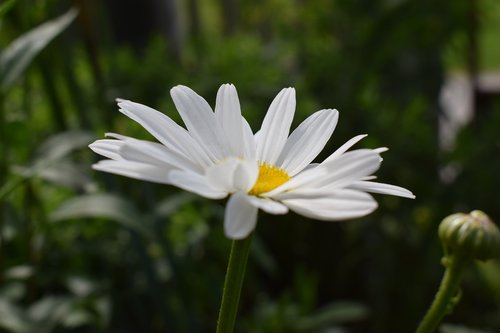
column 156, row 154
column 345, row 204
column 233, row 174
column 200, row 122
column 248, row 140
column 245, row 175
column 127, row 148
column 311, row 166
column 135, row 170
column 382, row 188
column 302, row 179
column 337, row 173
column 107, row 148
column 257, row 137
column 345, row 147
column 166, row 131
column 196, row 183
column 269, row 206
column 116, row 136
column 349, row 167
column 240, row 216
column 228, row 115
column 307, row 141
column 276, row 126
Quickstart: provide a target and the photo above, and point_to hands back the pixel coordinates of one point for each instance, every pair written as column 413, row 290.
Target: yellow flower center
column 269, row 178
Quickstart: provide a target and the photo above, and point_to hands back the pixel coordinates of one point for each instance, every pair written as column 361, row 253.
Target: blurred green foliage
column 88, row 252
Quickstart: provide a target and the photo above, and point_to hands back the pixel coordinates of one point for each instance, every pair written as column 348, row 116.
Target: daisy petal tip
column 124, row 105
column 404, row 193
column 227, row 88
column 408, row 194
column 174, row 91
column 180, row 89
column 235, row 234
column 330, row 112
column 381, row 150
column 94, row 145
column 282, row 211
column 374, row 208
column 240, row 216
column 97, row 166
column 288, row 91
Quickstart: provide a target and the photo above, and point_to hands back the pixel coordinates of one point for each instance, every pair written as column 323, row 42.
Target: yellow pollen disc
column 269, row 178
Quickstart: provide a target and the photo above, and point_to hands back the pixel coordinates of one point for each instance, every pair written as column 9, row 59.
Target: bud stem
column 232, row 285
column 455, row 266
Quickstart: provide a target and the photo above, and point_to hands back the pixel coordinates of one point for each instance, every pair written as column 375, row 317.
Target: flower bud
column 472, row 235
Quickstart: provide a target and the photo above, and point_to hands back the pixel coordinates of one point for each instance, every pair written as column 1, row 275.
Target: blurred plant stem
column 235, row 274
column 446, row 297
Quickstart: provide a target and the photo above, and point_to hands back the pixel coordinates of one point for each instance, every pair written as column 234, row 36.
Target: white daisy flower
column 219, row 156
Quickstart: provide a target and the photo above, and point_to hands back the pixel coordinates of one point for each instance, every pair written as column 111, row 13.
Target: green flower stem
column 232, row 284
column 444, row 300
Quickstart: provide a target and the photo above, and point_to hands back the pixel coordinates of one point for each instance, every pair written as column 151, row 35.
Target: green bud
column 472, row 235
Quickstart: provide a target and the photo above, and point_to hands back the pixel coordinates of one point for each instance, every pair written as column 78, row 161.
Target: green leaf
column 106, row 206
column 335, row 313
column 19, row 54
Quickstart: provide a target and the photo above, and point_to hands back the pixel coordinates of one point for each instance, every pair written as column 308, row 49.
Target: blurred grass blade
column 62, row 172
column 50, row 165
column 335, row 313
column 11, row 185
column 61, row 144
column 66, row 174
column 19, row 54
column 6, row 6
column 106, row 206
column 449, row 328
